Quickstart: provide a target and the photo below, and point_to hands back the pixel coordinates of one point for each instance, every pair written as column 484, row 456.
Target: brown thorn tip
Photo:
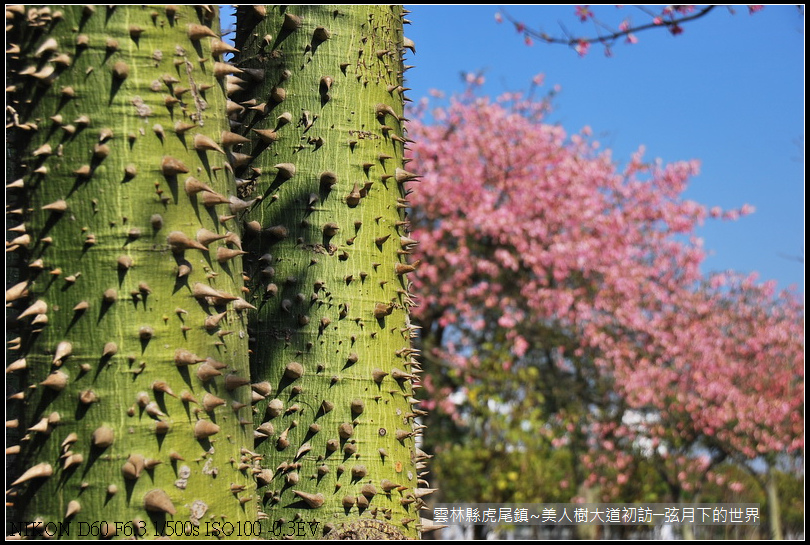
column 203, row 143
column 198, row 32
column 170, row 166
column 205, row 428
column 38, row 471
column 103, row 437
column 313, row 500
column 158, row 501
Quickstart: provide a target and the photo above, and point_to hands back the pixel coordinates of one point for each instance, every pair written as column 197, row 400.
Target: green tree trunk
column 321, row 100
column 129, row 332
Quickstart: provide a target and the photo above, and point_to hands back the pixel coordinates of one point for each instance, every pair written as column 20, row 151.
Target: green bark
column 321, row 100
column 130, row 344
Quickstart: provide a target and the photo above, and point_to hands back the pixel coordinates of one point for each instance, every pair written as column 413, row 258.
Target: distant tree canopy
column 563, row 307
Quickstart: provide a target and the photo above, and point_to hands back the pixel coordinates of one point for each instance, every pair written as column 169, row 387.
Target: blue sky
column 729, row 91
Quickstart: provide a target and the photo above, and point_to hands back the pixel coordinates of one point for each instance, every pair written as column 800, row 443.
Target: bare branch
column 605, row 34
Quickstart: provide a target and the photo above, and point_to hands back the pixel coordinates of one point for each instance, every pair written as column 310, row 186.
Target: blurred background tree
column 574, row 348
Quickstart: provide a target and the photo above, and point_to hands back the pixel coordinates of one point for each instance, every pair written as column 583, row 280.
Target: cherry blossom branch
column 671, row 18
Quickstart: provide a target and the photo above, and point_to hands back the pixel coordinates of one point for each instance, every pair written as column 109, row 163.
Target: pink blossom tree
column 747, row 395
column 562, row 298
column 723, row 376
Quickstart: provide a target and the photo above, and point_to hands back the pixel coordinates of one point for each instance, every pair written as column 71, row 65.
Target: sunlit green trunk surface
column 322, row 105
column 128, row 331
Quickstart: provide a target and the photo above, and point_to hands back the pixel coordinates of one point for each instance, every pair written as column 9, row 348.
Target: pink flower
column 474, row 79
column 718, row 281
column 631, row 39
column 582, row 48
column 539, row 79
column 528, row 40
column 624, row 25
column 747, row 209
column 507, row 322
column 520, row 27
column 498, row 17
column 520, row 347
column 754, row 9
column 675, row 29
column 583, row 13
